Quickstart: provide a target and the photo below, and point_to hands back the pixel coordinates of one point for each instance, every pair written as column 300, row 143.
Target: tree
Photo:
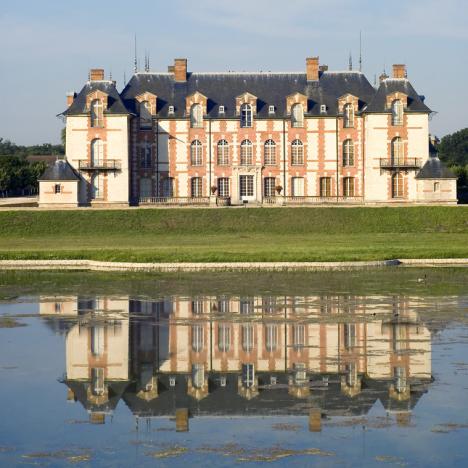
column 453, row 149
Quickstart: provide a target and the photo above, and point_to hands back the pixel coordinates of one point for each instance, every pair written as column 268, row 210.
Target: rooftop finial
column 135, row 62
column 350, row 62
column 360, row 51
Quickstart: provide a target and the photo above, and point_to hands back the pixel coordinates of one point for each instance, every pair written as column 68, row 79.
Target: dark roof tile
column 60, row 170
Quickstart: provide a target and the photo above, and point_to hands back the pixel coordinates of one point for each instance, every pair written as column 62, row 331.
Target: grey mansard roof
column 60, row 171
column 434, row 168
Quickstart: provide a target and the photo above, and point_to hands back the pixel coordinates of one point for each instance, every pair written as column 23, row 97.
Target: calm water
column 129, row 378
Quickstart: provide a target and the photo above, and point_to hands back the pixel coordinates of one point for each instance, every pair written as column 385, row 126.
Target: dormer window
column 145, row 115
column 348, row 116
column 171, row 110
column 97, row 113
column 196, row 116
column 297, row 116
column 271, row 109
column 323, row 108
column 397, row 112
column 246, row 116
column 221, row 110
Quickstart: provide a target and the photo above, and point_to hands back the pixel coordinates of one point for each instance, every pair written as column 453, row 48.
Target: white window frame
column 223, row 187
column 197, row 338
column 348, row 116
column 246, row 116
column 196, row 187
column 196, row 116
column 349, row 186
column 348, row 152
column 146, row 119
column 269, row 153
column 246, row 153
column 269, row 186
column 297, row 186
column 222, row 153
column 224, row 337
column 297, row 115
column 271, row 109
column 97, row 113
column 397, row 113
column 297, row 153
column 97, row 152
column 196, row 153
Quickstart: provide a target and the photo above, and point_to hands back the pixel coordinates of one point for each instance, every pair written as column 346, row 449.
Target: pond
column 352, row 368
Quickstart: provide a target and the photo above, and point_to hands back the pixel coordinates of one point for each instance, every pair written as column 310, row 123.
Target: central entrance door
column 247, row 187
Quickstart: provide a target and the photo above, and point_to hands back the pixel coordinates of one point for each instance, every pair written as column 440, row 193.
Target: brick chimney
column 96, row 74
column 312, row 68
column 399, row 71
column 70, row 98
column 180, row 70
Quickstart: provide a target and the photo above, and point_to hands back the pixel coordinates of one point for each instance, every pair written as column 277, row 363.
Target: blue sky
column 49, row 46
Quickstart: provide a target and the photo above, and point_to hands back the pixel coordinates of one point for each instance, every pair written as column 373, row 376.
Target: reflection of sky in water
column 36, row 417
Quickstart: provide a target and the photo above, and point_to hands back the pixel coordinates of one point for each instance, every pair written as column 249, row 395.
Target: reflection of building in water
column 249, row 356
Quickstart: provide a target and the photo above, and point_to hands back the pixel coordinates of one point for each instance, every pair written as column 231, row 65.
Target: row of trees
column 453, row 151
column 18, row 176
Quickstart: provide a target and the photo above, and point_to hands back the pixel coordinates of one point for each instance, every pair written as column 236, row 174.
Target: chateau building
column 261, row 138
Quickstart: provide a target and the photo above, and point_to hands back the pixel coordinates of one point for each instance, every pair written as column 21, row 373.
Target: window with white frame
column 196, row 187
column 197, row 338
column 246, row 115
column 97, row 152
column 300, row 373
column 397, row 112
column 224, row 337
column 350, row 335
column 297, row 115
column 271, row 109
column 196, row 154
column 145, row 155
column 246, row 153
column 196, row 116
column 348, row 187
column 397, row 185
column 269, row 186
column 325, row 186
column 221, row 110
column 223, row 153
column 248, row 375
column 269, row 155
column 297, row 153
column 223, row 186
column 271, row 337
column 97, row 340
column 97, row 113
column 171, row 109
column 223, row 305
column 198, row 375
column 57, row 188
column 298, row 337
column 348, row 152
column 246, row 306
column 97, row 187
column 145, row 115
column 397, row 151
column 97, row 381
column 297, row 184
column 247, row 335
column 197, row 306
column 348, row 116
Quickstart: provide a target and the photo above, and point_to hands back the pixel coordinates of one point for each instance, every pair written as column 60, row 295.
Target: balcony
column 400, row 163
column 108, row 165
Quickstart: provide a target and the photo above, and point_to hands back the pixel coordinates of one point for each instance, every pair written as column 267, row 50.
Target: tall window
column 97, row 340
column 145, row 187
column 97, row 113
column 223, row 153
column 224, row 337
column 168, row 187
column 196, row 158
column 397, row 112
column 298, row 336
column 271, row 337
column 196, row 187
column 297, row 116
column 246, row 115
column 197, row 307
column 223, row 187
column 269, row 186
column 196, row 116
column 297, row 152
column 269, row 153
column 247, row 333
column 325, row 186
column 297, row 184
column 246, row 153
column 197, row 338
column 348, row 111
column 350, row 335
column 145, row 115
column 145, row 155
column 97, row 186
column 248, row 375
column 397, row 151
column 397, row 185
column 348, row 187
column 97, row 381
column 246, row 306
column 348, row 153
column 198, row 375
column 97, row 152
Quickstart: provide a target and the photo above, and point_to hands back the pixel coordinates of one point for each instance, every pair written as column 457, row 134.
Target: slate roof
column 60, row 170
column 392, row 85
column 114, row 103
column 434, row 168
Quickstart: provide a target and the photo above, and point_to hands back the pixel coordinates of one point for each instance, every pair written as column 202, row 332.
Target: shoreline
column 185, row 267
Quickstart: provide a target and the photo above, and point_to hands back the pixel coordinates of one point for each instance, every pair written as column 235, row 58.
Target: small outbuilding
column 58, row 186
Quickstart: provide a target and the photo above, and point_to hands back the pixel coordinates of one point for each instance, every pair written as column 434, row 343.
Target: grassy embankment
column 204, row 235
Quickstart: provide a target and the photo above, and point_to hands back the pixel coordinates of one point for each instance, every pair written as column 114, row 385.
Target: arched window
column 196, row 157
column 297, row 152
column 97, row 152
column 97, row 113
column 196, row 116
column 397, row 185
column 246, row 153
column 348, row 112
column 397, row 151
column 246, row 115
column 348, row 153
column 196, row 187
column 223, row 153
column 397, row 112
column 145, row 115
column 297, row 116
column 270, row 153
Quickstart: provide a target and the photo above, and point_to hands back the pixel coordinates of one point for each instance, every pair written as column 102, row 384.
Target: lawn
column 245, row 234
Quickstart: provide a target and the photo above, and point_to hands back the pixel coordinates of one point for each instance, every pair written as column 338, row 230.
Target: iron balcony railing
column 400, row 163
column 177, row 201
column 107, row 165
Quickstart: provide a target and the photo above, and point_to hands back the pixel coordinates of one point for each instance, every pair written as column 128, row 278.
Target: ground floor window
column 397, row 186
column 198, row 375
column 246, row 186
column 196, row 187
column 58, row 188
column 145, row 187
column 297, row 184
column 168, row 187
column 348, row 187
column 97, row 187
column 248, row 375
column 223, row 187
column 325, row 186
column 269, row 186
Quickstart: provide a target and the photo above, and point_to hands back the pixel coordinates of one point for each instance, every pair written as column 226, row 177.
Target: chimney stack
column 399, row 71
column 180, row 70
column 96, row 74
column 70, row 98
column 312, row 68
